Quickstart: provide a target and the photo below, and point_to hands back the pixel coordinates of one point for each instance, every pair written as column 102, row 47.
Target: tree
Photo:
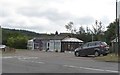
column 7, row 33
column 98, row 30
column 111, row 32
column 19, row 42
column 88, row 30
column 69, row 27
column 11, row 41
column 56, row 33
column 81, row 30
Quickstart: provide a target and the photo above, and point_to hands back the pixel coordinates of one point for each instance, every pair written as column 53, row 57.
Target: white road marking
column 112, row 71
column 21, row 57
column 93, row 69
column 7, row 57
column 24, row 58
column 87, row 68
column 40, row 62
column 30, row 61
column 73, row 66
column 27, row 58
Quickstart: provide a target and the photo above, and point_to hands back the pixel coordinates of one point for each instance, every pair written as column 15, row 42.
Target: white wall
column 30, row 44
column 55, row 45
column 51, row 45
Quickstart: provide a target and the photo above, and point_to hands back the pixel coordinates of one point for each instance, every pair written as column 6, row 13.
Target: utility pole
column 116, row 49
column 0, row 35
column 92, row 37
column 117, row 28
column 119, row 35
column 117, row 23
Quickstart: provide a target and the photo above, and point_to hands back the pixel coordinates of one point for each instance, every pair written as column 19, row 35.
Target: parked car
column 95, row 48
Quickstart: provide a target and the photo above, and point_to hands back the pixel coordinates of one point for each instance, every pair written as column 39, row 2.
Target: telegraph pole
column 117, row 28
column 118, row 22
column 119, row 35
column 0, row 35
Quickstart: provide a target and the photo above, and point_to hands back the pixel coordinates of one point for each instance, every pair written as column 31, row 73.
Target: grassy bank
column 109, row 58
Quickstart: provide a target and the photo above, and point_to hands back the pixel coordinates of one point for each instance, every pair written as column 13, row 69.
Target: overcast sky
column 47, row 16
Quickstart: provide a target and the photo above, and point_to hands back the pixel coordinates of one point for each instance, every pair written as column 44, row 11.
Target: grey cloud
column 4, row 13
column 105, row 20
column 36, row 27
column 20, row 26
column 51, row 14
column 86, row 20
column 45, row 1
column 57, row 19
column 54, row 16
column 28, row 11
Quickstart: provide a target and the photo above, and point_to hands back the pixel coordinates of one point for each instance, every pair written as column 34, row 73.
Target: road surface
column 51, row 62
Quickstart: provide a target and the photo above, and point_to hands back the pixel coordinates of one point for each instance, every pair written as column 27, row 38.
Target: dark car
column 92, row 48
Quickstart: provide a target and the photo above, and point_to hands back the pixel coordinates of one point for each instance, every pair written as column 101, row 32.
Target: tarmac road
column 51, row 62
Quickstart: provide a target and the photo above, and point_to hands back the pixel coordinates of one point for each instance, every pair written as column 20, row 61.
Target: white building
column 54, row 43
column 30, row 44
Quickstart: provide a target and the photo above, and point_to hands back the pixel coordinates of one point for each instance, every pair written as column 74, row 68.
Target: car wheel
column 77, row 54
column 105, row 54
column 86, row 55
column 97, row 53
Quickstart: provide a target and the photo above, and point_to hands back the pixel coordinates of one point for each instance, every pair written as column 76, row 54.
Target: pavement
column 52, row 62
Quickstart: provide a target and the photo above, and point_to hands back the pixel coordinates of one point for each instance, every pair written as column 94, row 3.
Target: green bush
column 19, row 42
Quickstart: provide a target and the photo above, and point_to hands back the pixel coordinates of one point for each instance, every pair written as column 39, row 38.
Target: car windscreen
column 104, row 43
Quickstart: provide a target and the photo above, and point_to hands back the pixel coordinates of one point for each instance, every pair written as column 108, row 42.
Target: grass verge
column 109, row 58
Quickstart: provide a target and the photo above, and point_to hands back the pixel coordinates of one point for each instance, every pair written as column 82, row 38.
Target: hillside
column 24, row 32
column 6, row 33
